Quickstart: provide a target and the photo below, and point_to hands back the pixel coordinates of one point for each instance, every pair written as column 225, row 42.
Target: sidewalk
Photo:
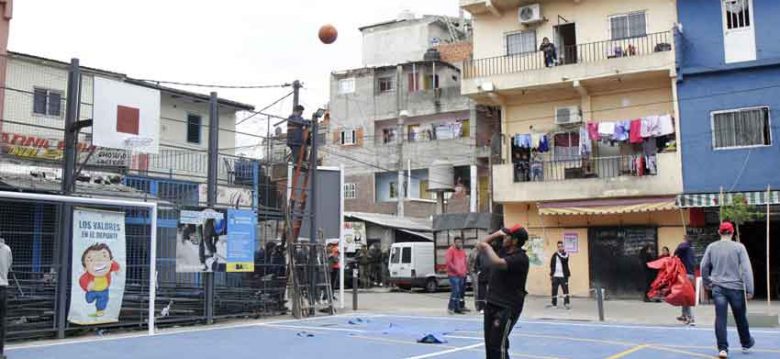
column 583, row 309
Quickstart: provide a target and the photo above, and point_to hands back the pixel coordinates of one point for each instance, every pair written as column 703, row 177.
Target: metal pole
column 211, row 198
column 768, row 268
column 313, row 209
column 296, row 93
column 341, row 239
column 255, row 184
column 600, row 301
column 355, row 288
column 153, row 269
column 73, row 104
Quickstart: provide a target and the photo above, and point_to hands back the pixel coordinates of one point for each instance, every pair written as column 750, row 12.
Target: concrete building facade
column 606, row 198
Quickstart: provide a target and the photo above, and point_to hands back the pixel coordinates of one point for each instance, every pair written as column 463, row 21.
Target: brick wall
column 456, row 52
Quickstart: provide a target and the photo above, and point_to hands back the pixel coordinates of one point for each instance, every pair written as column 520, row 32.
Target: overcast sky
column 234, row 42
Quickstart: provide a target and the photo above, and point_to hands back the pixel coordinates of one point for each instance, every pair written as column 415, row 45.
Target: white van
column 413, row 264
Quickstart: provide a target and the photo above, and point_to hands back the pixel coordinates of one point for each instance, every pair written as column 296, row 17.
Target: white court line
column 448, row 351
column 178, row 331
column 563, row 322
column 326, row 329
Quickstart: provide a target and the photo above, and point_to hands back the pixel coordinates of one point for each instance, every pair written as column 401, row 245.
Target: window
column 406, row 255
column 347, row 86
column 413, row 82
column 47, row 102
column 393, row 190
column 348, row 137
column 193, row 128
column 388, row 135
column 737, row 13
column 741, row 128
column 566, row 146
column 385, row 84
column 628, row 25
column 350, row 191
column 396, row 256
column 521, row 42
column 431, row 82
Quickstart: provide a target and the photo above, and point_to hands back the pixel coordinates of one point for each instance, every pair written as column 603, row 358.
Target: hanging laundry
column 622, row 129
column 650, row 126
column 544, row 144
column 523, row 141
column 586, row 146
column 635, row 131
column 665, row 125
column 593, row 131
column 650, row 163
column 640, row 166
column 606, row 129
column 650, row 147
column 535, row 139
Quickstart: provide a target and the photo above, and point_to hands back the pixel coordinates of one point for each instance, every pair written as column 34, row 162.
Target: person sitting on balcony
column 550, row 54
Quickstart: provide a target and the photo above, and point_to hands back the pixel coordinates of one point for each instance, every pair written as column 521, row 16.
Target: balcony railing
column 569, row 55
column 583, row 168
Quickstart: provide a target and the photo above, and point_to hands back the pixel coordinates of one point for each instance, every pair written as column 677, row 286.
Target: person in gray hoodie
column 6, row 258
column 726, row 271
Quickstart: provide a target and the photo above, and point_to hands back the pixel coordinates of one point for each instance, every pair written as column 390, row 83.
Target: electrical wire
column 191, row 84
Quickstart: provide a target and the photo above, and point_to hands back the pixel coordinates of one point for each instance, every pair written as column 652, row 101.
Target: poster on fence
column 201, row 242
column 354, row 236
column 241, row 240
column 98, row 268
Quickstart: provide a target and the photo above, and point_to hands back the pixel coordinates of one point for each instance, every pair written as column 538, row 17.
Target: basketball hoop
column 133, row 146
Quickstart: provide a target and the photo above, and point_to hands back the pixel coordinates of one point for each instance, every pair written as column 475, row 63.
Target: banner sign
column 354, row 236
column 124, row 113
column 230, row 196
column 38, row 148
column 241, row 240
column 98, row 269
column 201, row 242
column 571, row 242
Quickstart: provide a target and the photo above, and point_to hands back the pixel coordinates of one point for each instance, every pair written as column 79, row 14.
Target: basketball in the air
column 328, row 34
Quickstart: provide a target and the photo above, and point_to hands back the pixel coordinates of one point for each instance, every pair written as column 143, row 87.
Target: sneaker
column 567, row 306
column 691, row 323
column 450, row 311
column 481, row 311
column 682, row 318
column 746, row 348
column 550, row 306
column 723, row 354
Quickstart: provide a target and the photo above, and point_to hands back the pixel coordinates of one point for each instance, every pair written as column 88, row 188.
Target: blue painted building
column 729, row 94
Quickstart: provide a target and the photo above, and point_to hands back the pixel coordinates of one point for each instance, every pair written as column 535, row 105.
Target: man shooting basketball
column 506, row 287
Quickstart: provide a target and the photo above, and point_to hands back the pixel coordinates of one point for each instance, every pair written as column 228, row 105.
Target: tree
column 739, row 212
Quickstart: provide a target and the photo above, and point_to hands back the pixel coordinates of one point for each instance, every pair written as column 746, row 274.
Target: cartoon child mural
column 98, row 263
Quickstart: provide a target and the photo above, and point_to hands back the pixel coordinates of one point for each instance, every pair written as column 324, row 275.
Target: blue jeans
column 736, row 299
column 100, row 298
column 456, row 295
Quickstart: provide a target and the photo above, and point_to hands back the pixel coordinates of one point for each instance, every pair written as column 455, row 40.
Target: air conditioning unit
column 568, row 115
column 530, row 14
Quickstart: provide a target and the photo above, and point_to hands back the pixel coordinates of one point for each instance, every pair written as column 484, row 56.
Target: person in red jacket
column 98, row 263
column 456, row 271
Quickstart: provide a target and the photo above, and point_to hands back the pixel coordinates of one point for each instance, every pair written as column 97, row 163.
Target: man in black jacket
column 559, row 274
column 506, row 287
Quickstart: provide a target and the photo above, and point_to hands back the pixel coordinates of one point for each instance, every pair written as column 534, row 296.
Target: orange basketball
column 328, row 34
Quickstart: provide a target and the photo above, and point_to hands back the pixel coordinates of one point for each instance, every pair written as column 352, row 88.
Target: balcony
column 604, row 177
column 652, row 52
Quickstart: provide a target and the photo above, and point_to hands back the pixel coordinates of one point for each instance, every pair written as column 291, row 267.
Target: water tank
column 432, row 55
column 441, row 176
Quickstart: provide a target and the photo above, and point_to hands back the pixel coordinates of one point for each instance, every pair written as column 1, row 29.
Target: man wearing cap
column 506, row 287
column 727, row 272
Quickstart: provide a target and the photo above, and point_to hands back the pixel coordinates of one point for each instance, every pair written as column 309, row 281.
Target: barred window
column 350, row 191
column 521, row 42
column 737, row 13
column 628, row 25
column 741, row 128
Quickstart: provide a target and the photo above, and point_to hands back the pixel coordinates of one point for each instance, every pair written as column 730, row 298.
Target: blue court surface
column 377, row 336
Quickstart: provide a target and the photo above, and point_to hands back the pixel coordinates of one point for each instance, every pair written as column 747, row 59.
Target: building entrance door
column 615, row 259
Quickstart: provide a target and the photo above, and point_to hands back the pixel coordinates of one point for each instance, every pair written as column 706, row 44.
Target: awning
column 426, row 236
column 701, row 200
column 607, row 206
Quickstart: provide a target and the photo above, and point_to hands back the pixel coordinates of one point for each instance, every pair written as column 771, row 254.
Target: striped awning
column 607, row 206
column 700, row 200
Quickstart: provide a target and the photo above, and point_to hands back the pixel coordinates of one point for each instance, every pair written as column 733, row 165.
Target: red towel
column 635, row 133
column 672, row 283
column 593, row 131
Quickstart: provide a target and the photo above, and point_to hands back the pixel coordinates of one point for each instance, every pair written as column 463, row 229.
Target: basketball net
column 136, row 160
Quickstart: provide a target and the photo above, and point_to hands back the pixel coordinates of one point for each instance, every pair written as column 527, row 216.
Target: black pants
column 498, row 324
column 562, row 282
column 481, row 293
column 3, row 311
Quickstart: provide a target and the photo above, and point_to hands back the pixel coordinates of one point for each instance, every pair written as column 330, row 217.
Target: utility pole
column 72, row 113
column 211, row 194
column 400, row 138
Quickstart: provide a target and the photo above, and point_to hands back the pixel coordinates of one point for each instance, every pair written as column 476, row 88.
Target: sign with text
column 241, row 240
column 98, row 269
column 571, row 242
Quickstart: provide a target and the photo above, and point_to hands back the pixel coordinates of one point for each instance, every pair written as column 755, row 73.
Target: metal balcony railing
column 570, row 55
column 583, row 168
